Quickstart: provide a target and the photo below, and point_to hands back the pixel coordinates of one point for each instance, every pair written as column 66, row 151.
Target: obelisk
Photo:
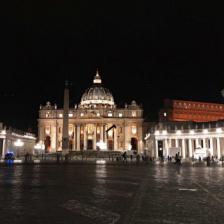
column 65, row 137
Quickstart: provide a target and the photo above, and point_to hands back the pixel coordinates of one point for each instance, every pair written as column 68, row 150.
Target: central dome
column 97, row 95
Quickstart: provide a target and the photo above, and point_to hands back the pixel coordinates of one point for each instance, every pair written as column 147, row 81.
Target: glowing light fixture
column 110, row 133
column 47, row 130
column 100, row 161
column 39, row 146
column 3, row 132
column 18, row 143
column 133, row 113
column 102, row 145
column 133, row 130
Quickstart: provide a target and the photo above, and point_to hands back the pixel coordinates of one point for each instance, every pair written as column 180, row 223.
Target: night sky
column 145, row 51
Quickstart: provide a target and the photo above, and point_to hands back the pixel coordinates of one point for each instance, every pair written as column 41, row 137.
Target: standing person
column 138, row 158
column 124, row 157
column 208, row 159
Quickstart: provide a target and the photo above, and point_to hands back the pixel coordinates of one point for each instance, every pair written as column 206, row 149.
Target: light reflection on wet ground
column 111, row 194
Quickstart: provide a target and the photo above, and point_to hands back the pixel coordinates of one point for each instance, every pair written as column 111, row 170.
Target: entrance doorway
column 89, row 144
column 134, row 144
column 70, row 144
column 160, row 149
column 110, row 144
column 47, row 144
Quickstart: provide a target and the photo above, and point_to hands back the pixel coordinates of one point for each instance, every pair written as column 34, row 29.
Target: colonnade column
column 190, row 148
column 183, row 152
column 218, row 148
column 176, row 143
column 78, row 137
column 3, row 148
column 197, row 143
column 204, row 143
column 211, row 147
column 156, row 148
column 166, row 147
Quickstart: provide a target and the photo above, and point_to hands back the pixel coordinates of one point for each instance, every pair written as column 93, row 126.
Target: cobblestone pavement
column 111, row 194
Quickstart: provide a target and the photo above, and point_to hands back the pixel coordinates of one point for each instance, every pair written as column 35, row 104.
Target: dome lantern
column 97, row 79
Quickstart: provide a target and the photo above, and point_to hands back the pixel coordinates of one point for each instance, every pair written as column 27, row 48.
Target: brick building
column 180, row 110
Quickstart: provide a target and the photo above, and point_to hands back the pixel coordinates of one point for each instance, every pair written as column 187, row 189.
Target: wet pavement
column 111, row 194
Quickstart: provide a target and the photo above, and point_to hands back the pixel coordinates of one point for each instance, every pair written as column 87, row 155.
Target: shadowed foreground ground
column 111, row 194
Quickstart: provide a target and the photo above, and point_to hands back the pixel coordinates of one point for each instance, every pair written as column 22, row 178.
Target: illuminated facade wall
column 179, row 110
column 16, row 141
column 89, row 123
column 167, row 138
column 87, row 127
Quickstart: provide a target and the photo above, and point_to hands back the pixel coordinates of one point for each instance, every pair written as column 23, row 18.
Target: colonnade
column 187, row 145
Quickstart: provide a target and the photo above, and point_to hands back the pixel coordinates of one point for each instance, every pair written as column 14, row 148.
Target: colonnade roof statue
column 97, row 95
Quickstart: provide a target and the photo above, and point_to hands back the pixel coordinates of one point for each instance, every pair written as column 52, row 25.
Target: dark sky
column 145, row 50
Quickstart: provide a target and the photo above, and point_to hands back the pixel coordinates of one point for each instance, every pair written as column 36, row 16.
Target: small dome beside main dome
column 97, row 95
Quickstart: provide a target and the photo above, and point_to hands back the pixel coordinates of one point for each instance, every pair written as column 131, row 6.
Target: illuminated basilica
column 95, row 124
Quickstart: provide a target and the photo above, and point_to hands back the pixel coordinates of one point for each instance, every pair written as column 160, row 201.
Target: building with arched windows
column 96, row 123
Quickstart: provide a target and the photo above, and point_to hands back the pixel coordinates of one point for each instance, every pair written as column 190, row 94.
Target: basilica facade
column 96, row 123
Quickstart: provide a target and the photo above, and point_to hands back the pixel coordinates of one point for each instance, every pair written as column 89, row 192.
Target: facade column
column 78, row 137
column 183, row 152
column 101, row 133
column 218, row 148
column 115, row 139
column 126, row 137
column 190, row 148
column 74, row 137
column 56, row 136
column 140, row 137
column 105, row 135
column 53, row 139
column 211, row 147
column 85, row 137
column 94, row 137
